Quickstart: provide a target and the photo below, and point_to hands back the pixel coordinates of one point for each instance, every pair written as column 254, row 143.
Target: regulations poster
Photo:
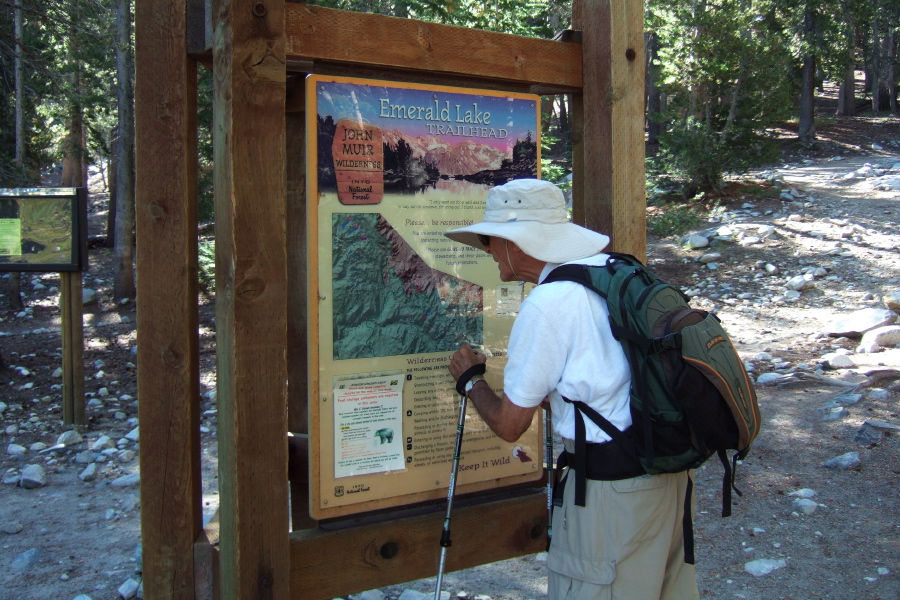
column 391, row 167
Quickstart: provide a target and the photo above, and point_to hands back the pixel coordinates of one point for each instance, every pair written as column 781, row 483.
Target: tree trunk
column 113, row 195
column 807, row 132
column 124, row 231
column 73, row 174
column 15, row 294
column 892, row 70
column 563, row 115
column 847, row 94
column 654, row 126
column 20, row 82
column 876, row 51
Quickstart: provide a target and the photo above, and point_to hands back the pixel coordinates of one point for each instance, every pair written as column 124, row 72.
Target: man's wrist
column 470, row 385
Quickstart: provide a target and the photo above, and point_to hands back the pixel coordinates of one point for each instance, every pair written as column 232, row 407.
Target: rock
column 803, row 493
column 771, row 269
column 130, row 480
column 695, row 241
column 867, row 435
column 33, row 476
column 82, row 597
column 133, row 435
column 414, row 595
column 37, row 446
column 11, row 528
column 845, row 462
column 845, row 399
column 838, row 361
column 835, row 413
column 85, row 457
column 88, row 296
column 16, row 450
column 766, row 231
column 26, row 560
column 129, row 589
column 3, row 407
column 764, row 566
column 805, row 506
column 861, row 321
column 799, row 283
column 69, row 437
column 878, row 394
column 369, row 595
column 125, row 456
column 892, row 301
column 711, row 257
column 89, row 473
column 889, row 335
column 768, row 378
column 102, row 443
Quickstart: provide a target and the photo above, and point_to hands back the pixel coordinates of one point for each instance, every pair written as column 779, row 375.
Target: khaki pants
column 626, row 543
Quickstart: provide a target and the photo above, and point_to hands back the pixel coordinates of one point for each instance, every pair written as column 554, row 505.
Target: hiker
column 627, row 541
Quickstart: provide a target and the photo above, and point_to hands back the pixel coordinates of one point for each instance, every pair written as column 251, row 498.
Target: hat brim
column 549, row 242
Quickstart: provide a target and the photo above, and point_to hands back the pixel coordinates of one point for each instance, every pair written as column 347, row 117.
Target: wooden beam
column 609, row 192
column 399, row 550
column 357, row 39
column 251, row 297
column 168, row 363
column 71, row 309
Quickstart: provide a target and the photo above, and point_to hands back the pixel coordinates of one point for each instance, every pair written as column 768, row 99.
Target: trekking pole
column 477, row 369
column 548, row 450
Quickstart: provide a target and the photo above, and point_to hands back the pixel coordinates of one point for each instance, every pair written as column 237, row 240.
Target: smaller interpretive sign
column 368, row 421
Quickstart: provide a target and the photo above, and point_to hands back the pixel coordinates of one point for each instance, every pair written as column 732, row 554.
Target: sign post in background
column 45, row 230
column 392, row 166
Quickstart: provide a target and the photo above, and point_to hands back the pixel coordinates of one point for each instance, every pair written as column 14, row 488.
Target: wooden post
column 609, row 192
column 251, row 297
column 71, row 311
column 168, row 363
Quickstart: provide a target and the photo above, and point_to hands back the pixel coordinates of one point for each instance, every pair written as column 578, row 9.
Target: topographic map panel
column 388, row 301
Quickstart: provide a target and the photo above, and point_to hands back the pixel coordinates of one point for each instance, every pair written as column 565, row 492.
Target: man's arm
column 506, row 419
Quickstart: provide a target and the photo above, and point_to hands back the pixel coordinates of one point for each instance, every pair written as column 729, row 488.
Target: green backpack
column 690, row 394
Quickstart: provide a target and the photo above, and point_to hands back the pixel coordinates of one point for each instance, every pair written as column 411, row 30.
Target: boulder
column 861, row 321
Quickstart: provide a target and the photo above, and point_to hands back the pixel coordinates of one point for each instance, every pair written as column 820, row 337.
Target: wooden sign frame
column 256, row 51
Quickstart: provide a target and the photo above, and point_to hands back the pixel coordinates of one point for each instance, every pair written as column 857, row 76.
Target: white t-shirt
column 561, row 345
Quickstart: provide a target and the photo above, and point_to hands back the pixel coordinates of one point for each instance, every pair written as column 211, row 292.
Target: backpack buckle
column 671, row 341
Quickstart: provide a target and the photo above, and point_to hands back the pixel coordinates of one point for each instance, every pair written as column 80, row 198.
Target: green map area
column 388, row 302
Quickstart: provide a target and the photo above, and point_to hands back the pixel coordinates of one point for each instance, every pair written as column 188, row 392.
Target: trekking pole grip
column 478, row 369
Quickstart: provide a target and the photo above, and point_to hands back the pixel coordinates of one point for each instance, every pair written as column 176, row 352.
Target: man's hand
column 463, row 359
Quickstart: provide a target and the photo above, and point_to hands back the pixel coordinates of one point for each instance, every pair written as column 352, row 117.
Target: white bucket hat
column 532, row 214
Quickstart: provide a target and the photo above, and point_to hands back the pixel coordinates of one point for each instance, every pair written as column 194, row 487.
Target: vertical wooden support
column 71, row 310
column 609, row 192
column 298, row 384
column 168, row 364
column 251, row 297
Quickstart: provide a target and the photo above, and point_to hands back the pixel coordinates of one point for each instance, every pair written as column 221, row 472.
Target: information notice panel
column 391, row 167
column 43, row 229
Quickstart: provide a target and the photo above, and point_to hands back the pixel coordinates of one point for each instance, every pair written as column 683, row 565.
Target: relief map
column 388, row 301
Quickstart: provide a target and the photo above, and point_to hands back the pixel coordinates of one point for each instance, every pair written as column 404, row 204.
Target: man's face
column 497, row 248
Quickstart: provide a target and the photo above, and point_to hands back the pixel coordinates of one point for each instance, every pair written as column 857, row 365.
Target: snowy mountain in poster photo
column 465, row 158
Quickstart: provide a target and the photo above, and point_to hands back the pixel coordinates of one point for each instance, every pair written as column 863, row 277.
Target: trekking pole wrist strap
column 468, row 374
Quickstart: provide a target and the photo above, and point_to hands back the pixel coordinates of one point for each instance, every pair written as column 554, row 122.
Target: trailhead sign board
column 43, row 229
column 391, row 167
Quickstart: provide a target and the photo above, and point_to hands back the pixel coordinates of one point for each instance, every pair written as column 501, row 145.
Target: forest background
column 721, row 76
